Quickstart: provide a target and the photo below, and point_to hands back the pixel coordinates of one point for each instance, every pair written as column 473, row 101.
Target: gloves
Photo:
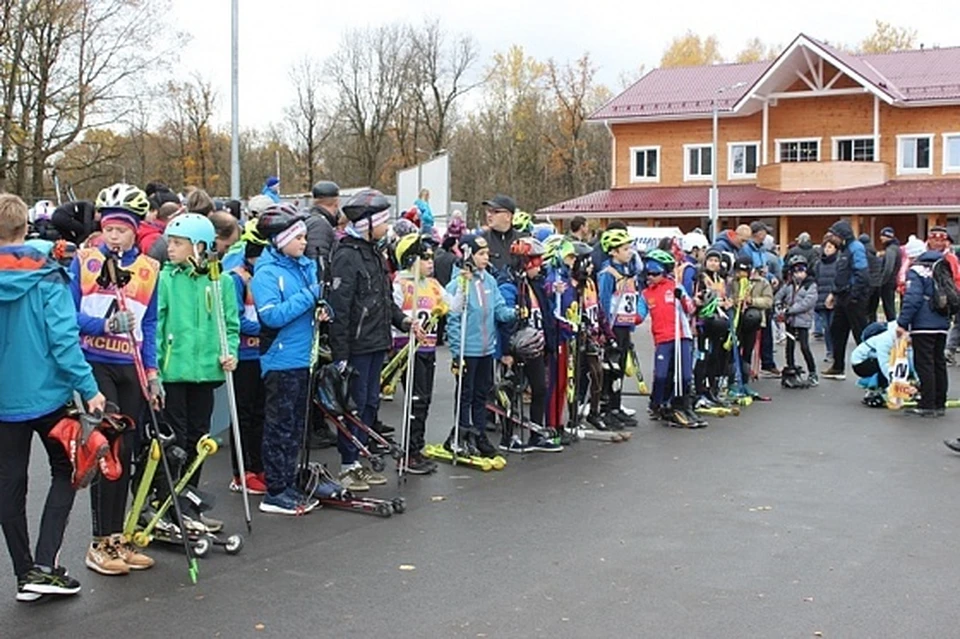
column 121, row 323
column 156, row 391
column 455, row 368
column 678, row 293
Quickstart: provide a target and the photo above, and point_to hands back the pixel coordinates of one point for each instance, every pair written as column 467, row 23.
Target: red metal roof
column 740, row 197
column 907, row 76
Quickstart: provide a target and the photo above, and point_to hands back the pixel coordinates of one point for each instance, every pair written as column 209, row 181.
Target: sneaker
column 289, row 502
column 596, row 422
column 41, row 581
column 254, row 485
column 484, row 447
column 772, row 372
column 212, row 525
column 387, row 397
column 916, row 411
column 104, row 557
column 130, row 554
column 541, row 444
column 383, row 429
column 629, row 412
column 813, row 379
column 833, row 373
column 351, row 481
column 623, row 418
column 515, row 445
column 940, row 412
column 953, row 444
column 370, row 477
column 950, row 357
column 420, row 465
column 654, row 414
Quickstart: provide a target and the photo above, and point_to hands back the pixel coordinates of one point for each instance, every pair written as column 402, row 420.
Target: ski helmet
column 412, row 246
column 123, row 197
column 751, row 319
column 716, row 325
column 693, row 241
column 797, row 261
column 276, row 219
column 543, row 230
column 527, row 247
column 523, row 221
column 42, row 210
column 658, row 261
column 614, row 238
column 364, row 204
column 527, row 343
column 583, row 263
column 194, row 227
column 472, row 244
column 251, row 235
column 744, row 264
column 558, row 248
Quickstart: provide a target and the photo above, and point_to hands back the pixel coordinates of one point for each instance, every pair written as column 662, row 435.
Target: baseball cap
column 501, row 202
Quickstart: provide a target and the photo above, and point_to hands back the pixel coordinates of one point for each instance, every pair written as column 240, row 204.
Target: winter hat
column 938, row 233
column 887, row 231
column 272, row 181
column 403, row 227
column 258, row 204
column 119, row 216
column 286, row 236
column 914, row 247
column 376, row 219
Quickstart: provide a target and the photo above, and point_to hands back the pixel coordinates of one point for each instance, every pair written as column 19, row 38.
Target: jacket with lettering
column 188, row 338
column 619, row 294
column 95, row 304
column 658, row 302
column 432, row 301
column 41, row 363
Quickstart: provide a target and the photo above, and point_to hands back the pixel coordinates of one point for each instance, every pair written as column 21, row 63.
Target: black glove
column 678, row 293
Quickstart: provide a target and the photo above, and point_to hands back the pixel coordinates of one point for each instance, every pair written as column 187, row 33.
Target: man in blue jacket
column 41, row 365
column 849, row 298
column 928, row 334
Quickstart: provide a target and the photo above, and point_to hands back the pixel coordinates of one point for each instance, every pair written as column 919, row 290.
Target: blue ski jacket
column 485, row 307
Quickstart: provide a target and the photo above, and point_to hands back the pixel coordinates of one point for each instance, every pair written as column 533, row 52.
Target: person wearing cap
column 729, row 244
column 322, row 223
column 361, row 296
column 804, row 246
column 892, row 260
column 271, row 188
column 501, row 234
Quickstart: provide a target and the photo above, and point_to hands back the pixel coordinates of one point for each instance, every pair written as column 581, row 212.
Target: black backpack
column 946, row 298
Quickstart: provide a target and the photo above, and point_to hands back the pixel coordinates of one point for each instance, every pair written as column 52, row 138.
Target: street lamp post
column 235, row 100
column 714, row 203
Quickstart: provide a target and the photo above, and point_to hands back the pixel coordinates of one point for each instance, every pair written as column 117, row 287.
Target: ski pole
column 215, row 274
column 457, row 407
column 118, row 278
column 411, row 349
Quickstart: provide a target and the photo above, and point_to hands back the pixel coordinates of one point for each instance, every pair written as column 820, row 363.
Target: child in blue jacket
column 484, row 306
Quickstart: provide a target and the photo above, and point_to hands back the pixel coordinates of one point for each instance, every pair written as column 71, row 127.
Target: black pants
column 888, row 297
column 801, row 338
column 873, row 302
column 108, row 499
column 869, row 368
column 476, row 381
column 767, row 361
column 536, row 372
column 613, row 380
column 285, row 413
column 931, row 365
column 848, row 317
column 424, row 370
column 710, row 364
column 746, row 343
column 188, row 409
column 15, row 439
column 249, row 392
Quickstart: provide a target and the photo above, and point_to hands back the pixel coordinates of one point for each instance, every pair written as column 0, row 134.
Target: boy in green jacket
column 188, row 344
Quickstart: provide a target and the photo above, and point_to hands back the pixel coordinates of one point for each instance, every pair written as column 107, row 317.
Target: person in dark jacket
column 443, row 262
column 875, row 270
column 321, row 225
column 891, row 267
column 928, row 335
column 599, row 256
column 730, row 245
column 826, row 275
column 501, row 234
column 804, row 247
column 361, row 296
column 75, row 221
column 849, row 296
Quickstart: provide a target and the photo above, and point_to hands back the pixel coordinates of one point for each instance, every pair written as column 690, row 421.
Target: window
column 860, row 149
column 951, row 152
column 645, row 164
column 914, row 154
column 806, row 150
column 744, row 158
column 698, row 161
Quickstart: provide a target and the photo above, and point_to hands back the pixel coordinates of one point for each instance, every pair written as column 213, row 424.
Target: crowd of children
column 525, row 309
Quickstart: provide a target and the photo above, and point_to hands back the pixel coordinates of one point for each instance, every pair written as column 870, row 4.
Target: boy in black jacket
column 363, row 311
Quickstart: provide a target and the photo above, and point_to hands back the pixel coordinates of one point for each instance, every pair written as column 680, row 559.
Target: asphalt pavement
column 809, row 514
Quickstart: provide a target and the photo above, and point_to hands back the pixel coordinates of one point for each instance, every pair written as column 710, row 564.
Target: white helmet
column 42, row 210
column 693, row 240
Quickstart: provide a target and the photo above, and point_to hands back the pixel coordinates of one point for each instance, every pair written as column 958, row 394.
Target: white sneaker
column 629, row 412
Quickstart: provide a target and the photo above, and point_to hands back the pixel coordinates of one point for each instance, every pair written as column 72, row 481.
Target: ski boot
column 686, row 405
column 792, row 377
column 874, row 399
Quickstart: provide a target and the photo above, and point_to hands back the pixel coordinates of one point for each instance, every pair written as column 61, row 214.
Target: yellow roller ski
column 439, row 453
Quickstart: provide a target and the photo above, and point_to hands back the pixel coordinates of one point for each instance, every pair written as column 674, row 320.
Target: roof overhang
column 762, row 212
column 796, row 60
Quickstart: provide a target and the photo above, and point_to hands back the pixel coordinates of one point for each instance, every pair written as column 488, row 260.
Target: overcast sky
column 620, row 35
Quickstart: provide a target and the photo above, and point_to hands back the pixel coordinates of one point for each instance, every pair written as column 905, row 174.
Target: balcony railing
column 821, row 176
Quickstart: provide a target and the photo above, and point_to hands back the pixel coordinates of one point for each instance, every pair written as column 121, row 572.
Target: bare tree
column 309, row 116
column 369, row 71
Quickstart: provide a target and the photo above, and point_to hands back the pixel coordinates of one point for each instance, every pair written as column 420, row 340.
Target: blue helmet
column 653, row 267
column 193, row 226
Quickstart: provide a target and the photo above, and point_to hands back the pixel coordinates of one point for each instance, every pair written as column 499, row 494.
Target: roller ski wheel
column 614, row 437
column 140, row 539
column 399, row 505
column 439, row 453
column 384, row 510
column 233, row 545
column 741, row 400
column 498, row 462
column 376, row 463
column 201, row 546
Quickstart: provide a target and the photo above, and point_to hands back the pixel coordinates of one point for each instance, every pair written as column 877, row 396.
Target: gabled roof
column 903, row 77
column 736, row 199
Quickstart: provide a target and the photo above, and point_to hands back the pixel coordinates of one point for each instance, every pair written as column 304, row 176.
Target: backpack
column 946, row 298
column 874, row 269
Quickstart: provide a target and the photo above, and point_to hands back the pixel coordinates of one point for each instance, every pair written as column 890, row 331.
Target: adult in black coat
column 892, row 260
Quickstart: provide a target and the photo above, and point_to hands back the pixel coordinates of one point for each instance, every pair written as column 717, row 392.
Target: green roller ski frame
column 486, row 464
column 951, row 403
column 719, row 411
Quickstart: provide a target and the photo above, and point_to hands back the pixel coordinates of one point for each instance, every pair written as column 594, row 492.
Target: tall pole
column 714, row 199
column 235, row 99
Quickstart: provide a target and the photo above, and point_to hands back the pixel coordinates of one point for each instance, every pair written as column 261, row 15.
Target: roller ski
column 705, row 406
column 463, row 452
column 951, row 403
column 322, row 485
column 513, row 442
column 595, row 430
column 680, row 418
